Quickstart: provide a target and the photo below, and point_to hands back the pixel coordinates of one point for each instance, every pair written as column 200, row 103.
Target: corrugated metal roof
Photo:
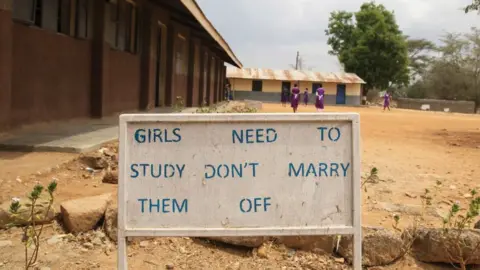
column 197, row 12
column 292, row 75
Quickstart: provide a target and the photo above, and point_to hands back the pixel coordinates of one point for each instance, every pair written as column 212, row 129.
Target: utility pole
column 296, row 62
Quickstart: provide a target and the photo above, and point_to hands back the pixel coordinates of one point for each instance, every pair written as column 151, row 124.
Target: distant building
column 267, row 84
column 63, row 59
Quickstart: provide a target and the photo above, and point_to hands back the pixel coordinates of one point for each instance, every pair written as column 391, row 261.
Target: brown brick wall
column 50, row 76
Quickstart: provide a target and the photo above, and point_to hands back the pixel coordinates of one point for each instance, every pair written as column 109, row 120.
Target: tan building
column 267, row 84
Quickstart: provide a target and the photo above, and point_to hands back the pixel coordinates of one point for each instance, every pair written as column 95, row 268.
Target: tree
column 370, row 44
column 474, row 6
column 419, row 59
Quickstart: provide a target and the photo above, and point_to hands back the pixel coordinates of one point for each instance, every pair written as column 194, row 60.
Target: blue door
column 341, row 94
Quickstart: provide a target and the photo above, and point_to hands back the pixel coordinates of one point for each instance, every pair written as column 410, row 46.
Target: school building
column 63, row 59
column 266, row 84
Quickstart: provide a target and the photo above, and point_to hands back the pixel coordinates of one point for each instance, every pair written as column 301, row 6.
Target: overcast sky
column 268, row 33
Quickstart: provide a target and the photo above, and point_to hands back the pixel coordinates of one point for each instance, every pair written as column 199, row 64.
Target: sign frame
column 355, row 230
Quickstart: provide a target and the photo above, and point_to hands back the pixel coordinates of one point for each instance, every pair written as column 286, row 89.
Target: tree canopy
column 370, row 44
column 474, row 6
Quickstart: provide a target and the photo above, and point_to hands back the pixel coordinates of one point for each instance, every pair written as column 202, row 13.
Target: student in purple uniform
column 386, row 101
column 295, row 98
column 305, row 97
column 320, row 99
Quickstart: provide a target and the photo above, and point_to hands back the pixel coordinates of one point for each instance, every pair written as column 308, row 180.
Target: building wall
column 437, row 105
column 6, row 26
column 271, row 91
column 123, row 92
column 46, row 76
column 50, row 76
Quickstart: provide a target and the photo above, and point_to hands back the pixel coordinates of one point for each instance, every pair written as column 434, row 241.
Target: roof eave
column 197, row 12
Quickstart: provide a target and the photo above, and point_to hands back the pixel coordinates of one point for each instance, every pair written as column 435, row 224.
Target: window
column 81, row 18
column 123, row 23
column 63, row 16
column 257, row 86
column 315, row 86
column 27, row 11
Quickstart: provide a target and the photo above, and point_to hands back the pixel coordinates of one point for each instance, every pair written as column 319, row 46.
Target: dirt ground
column 412, row 150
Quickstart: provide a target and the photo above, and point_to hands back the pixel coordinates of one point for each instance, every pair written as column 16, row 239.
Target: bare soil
column 412, row 150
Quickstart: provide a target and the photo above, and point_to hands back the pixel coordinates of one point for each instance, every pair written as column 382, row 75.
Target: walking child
column 319, row 100
column 386, row 101
column 305, row 97
column 295, row 98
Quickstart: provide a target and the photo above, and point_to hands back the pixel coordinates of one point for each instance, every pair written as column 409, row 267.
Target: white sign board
column 239, row 175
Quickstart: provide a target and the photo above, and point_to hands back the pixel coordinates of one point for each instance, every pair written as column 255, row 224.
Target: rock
column 83, row 214
column 111, row 177
column 169, row 266
column 144, row 244
column 262, row 252
column 467, row 195
column 438, row 246
column 6, row 243
column 318, row 244
column 88, row 245
column 111, row 217
column 339, row 260
column 453, row 187
column 477, row 225
column 94, row 160
column 379, row 246
column 247, row 241
column 22, row 218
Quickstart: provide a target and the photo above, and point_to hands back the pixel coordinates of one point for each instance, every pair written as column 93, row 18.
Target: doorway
column 286, row 85
column 158, row 65
column 315, row 86
column 341, row 94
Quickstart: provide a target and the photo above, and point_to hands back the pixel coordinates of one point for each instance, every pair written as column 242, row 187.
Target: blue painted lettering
column 180, row 209
column 333, row 133
column 258, row 135
column 156, row 170
column 318, row 170
column 291, row 167
column 229, row 170
column 143, row 204
column 345, row 168
column 248, row 205
column 165, row 205
column 157, row 135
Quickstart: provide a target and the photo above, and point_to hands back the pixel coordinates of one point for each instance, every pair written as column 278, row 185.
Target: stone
column 440, row 246
column 247, row 241
column 111, row 217
column 110, row 177
column 379, row 246
column 22, row 218
column 339, row 260
column 169, row 266
column 83, row 214
column 477, row 225
column 323, row 244
column 6, row 243
column 467, row 195
column 94, row 160
column 144, row 244
column 88, row 245
column 262, row 252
